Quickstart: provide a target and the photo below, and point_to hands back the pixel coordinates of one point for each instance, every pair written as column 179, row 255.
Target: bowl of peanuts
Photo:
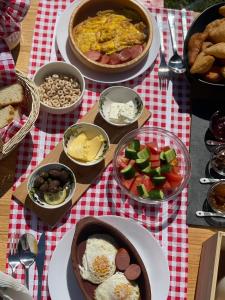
column 61, row 87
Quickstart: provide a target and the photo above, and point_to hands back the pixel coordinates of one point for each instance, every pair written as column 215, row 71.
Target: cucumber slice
column 156, row 195
column 130, row 153
column 142, row 163
column 128, row 172
column 170, row 155
column 144, row 153
column 155, row 172
column 142, row 191
column 158, row 180
column 162, row 155
column 135, row 145
column 165, row 168
column 147, row 170
column 55, row 198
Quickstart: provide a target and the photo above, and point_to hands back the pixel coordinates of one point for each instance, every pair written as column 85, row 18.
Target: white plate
column 69, row 57
column 61, row 280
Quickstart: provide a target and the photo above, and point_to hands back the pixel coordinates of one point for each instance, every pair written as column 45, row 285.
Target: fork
column 13, row 256
column 163, row 71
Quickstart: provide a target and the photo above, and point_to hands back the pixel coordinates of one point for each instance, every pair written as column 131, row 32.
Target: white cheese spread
column 122, row 112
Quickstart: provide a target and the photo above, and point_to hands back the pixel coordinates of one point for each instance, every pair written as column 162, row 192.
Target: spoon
column 175, row 63
column 201, row 213
column 211, row 180
column 28, row 250
column 214, row 143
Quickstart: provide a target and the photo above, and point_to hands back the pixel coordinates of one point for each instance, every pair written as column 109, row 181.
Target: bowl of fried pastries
column 110, row 36
column 204, row 47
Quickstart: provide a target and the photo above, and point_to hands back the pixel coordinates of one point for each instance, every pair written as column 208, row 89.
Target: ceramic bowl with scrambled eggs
column 85, row 144
column 110, row 36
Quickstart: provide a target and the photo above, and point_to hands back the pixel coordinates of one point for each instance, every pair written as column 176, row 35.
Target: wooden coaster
column 84, row 175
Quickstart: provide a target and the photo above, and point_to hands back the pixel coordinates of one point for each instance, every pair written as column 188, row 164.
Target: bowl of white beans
column 61, row 87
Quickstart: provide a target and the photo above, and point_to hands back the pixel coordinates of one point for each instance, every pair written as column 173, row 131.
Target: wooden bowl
column 89, row 8
column 89, row 226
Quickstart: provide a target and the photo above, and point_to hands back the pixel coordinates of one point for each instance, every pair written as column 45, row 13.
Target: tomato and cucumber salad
column 149, row 171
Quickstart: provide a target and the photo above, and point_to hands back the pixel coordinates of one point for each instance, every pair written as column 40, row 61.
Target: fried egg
column 98, row 259
column 108, row 32
column 117, row 287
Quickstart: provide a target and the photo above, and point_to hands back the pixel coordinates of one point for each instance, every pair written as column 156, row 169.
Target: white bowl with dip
column 85, row 144
column 120, row 106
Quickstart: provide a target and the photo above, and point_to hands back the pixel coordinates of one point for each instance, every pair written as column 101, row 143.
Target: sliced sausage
column 125, row 55
column 132, row 272
column 104, row 59
column 122, row 259
column 93, row 55
column 114, row 59
column 136, row 50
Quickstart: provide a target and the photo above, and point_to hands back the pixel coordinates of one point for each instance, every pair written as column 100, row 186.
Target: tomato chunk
column 166, row 187
column 155, row 164
column 127, row 182
column 153, row 147
column 173, row 176
column 122, row 162
column 155, row 157
column 138, row 180
column 174, row 179
column 148, row 183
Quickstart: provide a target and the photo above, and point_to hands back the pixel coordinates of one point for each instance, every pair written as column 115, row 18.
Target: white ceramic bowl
column 51, row 166
column 91, row 131
column 119, row 94
column 59, row 67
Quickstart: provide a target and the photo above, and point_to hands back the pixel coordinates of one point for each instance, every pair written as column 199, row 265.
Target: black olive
column 38, row 181
column 53, row 186
column 44, row 174
column 44, row 187
column 50, row 180
column 64, row 176
column 55, row 174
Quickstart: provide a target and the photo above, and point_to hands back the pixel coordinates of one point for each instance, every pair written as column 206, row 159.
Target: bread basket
column 32, row 96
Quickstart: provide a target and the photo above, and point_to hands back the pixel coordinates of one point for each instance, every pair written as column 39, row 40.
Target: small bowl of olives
column 52, row 185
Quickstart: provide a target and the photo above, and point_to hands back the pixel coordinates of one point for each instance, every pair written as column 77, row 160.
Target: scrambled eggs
column 108, row 32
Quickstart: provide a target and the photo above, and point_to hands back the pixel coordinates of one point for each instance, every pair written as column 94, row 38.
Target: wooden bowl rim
column 108, row 66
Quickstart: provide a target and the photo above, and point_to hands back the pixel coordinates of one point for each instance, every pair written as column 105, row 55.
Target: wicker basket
column 32, row 96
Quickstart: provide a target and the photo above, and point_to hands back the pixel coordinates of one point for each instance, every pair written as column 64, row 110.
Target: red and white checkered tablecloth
column 169, row 110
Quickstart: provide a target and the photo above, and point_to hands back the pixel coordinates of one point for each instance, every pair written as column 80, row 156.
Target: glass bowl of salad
column 151, row 165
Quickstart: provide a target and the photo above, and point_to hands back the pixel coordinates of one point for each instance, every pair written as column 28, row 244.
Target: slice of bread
column 6, row 115
column 10, row 95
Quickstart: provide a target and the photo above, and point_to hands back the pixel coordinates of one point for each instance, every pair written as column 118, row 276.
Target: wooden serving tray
column 84, row 175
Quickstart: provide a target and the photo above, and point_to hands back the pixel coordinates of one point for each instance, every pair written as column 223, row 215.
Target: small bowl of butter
column 85, row 144
column 120, row 106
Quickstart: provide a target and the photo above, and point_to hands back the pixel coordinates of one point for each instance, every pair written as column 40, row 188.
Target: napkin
column 10, row 130
column 12, row 13
column 12, row 289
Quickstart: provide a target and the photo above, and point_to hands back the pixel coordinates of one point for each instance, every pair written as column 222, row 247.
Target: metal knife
column 40, row 259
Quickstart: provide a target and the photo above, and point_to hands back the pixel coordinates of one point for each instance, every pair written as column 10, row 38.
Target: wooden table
column 7, row 168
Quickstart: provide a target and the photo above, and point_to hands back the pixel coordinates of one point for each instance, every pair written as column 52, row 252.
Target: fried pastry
column 214, row 24
column 222, row 71
column 194, row 46
column 222, row 10
column 202, row 64
column 217, row 34
column 214, row 74
column 217, row 50
column 206, row 45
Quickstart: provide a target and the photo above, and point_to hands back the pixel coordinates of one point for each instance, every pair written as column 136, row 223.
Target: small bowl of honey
column 216, row 197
